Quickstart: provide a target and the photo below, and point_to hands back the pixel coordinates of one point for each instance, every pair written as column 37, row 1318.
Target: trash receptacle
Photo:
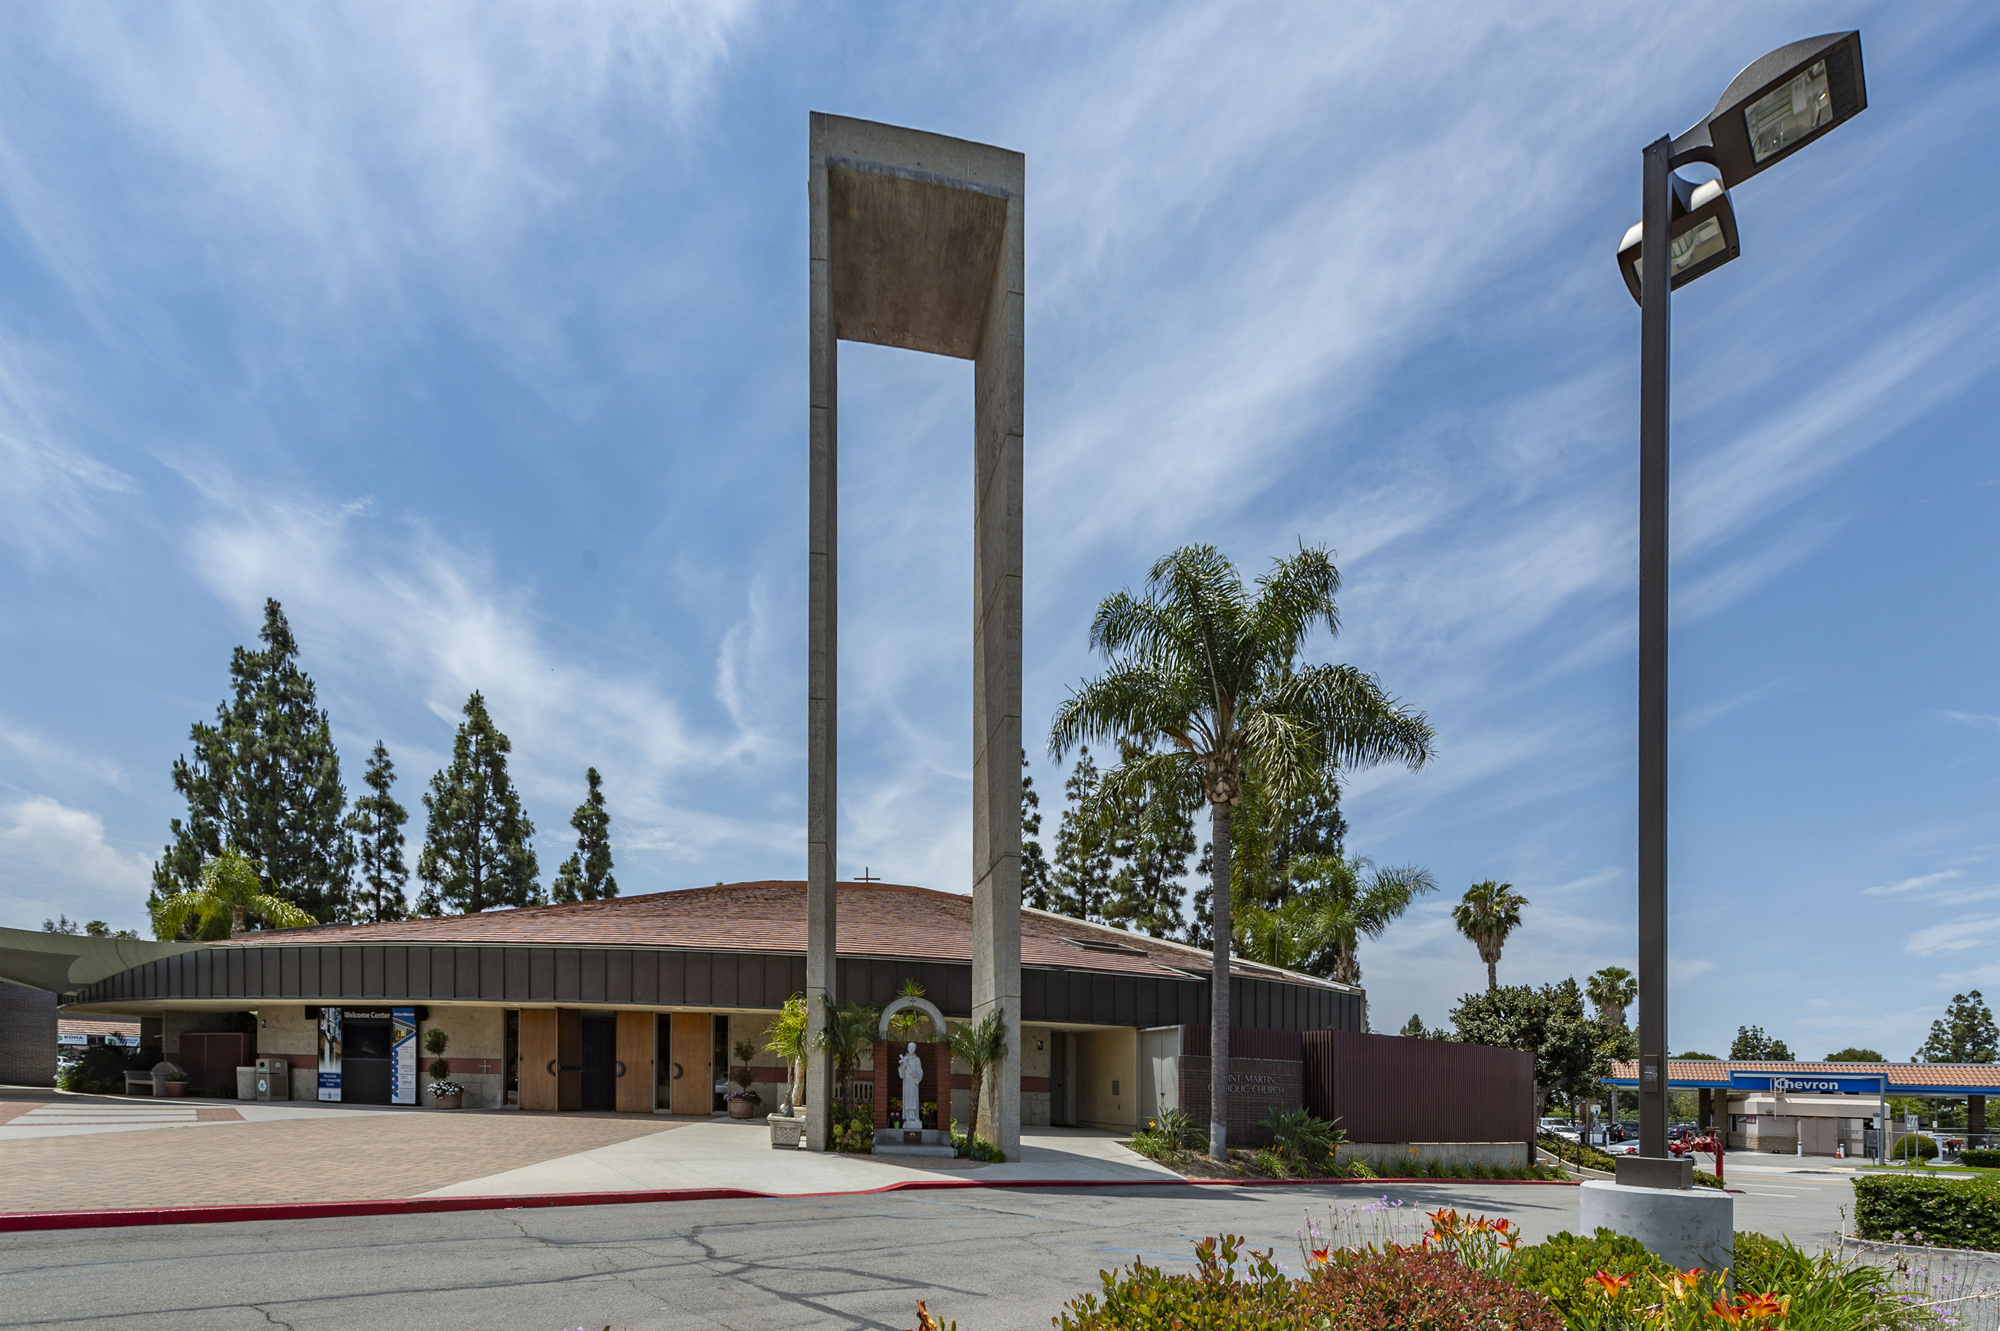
column 274, row 1079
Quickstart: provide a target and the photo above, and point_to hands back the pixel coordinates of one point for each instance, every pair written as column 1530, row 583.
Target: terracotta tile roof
column 875, row 919
column 1903, row 1078
column 84, row 1026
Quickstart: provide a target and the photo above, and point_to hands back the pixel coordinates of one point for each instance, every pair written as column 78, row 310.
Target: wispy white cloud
column 1916, row 884
column 55, row 859
column 1953, row 936
column 1979, row 719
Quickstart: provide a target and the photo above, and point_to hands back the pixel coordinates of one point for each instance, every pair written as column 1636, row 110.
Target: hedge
column 1957, row 1213
column 1979, row 1158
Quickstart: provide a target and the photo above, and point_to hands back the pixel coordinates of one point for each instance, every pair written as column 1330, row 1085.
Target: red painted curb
column 23, row 1221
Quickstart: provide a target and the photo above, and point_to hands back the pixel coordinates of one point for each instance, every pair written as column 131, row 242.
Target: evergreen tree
column 1965, row 1034
column 476, row 849
column 1148, row 830
column 1266, row 836
column 1572, row 1053
column 1036, row 890
column 586, row 875
column 265, row 779
column 1080, row 879
column 1751, row 1043
column 377, row 825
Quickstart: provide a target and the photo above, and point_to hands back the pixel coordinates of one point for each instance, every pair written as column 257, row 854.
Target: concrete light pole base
column 1690, row 1227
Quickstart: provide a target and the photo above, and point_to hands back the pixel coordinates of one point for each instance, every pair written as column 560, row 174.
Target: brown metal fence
column 1386, row 1088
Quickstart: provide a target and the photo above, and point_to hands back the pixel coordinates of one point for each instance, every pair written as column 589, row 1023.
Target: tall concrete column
column 823, row 657
column 916, row 242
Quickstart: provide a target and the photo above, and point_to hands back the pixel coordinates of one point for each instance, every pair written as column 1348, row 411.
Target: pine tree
column 1036, row 890
column 586, row 875
column 1965, row 1034
column 1080, row 879
column 1149, row 832
column 377, row 825
column 476, row 849
column 264, row 778
column 1753, row 1045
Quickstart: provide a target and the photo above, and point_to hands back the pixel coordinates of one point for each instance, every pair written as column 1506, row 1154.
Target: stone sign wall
column 1256, row 1087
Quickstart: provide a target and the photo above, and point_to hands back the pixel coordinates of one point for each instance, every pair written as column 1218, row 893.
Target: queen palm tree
column 1206, row 680
column 230, row 893
column 980, row 1046
column 1611, row 991
column 1489, row 912
column 1341, row 900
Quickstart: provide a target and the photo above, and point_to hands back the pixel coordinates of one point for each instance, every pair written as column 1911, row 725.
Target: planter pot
column 176, row 1089
column 446, row 1101
column 742, row 1109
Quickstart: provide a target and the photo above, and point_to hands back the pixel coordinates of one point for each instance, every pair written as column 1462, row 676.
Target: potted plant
column 176, row 1083
column 445, row 1093
column 743, row 1102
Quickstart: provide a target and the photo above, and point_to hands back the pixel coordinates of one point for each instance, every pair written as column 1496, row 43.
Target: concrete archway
column 923, row 1005
column 915, row 241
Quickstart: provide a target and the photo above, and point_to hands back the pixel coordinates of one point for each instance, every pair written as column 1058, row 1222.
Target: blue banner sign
column 402, row 1056
column 1807, row 1083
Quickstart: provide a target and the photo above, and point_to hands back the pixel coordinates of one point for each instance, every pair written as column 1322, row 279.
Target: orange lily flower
column 1608, row 1285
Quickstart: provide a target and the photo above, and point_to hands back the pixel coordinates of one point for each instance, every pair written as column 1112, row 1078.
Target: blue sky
column 477, row 337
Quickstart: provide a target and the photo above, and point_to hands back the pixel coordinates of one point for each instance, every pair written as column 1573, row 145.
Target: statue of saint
column 912, row 1069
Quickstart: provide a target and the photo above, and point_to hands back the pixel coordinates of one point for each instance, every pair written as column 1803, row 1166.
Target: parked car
column 1620, row 1148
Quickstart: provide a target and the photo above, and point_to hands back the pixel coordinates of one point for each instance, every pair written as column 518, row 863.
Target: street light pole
column 1654, row 356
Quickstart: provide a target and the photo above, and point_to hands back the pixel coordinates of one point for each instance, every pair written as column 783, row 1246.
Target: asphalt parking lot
column 990, row 1258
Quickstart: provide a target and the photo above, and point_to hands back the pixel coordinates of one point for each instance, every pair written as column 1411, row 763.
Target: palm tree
column 1201, row 668
column 980, row 1047
column 1488, row 913
column 905, row 1024
column 848, row 1034
column 230, row 893
column 1611, row 991
column 787, row 1039
column 1343, row 899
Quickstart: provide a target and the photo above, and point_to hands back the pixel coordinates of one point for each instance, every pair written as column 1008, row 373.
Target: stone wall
column 1396, row 1159
column 1257, row 1086
column 27, row 1036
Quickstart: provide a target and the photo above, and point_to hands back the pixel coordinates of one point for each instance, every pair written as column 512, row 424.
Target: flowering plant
column 745, row 1094
column 443, row 1088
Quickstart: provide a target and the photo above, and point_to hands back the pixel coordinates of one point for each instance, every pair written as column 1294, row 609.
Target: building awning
column 1742, row 1076
column 62, row 963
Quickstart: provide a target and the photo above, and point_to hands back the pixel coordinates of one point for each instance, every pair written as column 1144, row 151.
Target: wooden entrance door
column 693, row 1081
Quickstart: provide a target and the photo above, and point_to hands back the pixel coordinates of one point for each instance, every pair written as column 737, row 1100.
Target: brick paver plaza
column 384, row 1153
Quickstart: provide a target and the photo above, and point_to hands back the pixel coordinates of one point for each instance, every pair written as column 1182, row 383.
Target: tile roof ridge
column 1199, row 953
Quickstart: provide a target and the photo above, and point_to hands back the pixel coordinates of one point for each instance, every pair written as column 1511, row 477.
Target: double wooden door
column 692, row 1079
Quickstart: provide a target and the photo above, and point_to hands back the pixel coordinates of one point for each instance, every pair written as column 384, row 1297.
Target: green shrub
column 1301, row 1138
column 1914, row 1146
column 853, row 1129
column 1979, row 1158
column 1183, row 1129
column 1272, row 1163
column 1557, row 1267
column 1245, row 1291
column 974, row 1148
column 1825, row 1293
column 1909, row 1208
column 1562, row 1148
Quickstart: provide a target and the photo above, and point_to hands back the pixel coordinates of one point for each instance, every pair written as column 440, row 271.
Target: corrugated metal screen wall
column 1386, row 1088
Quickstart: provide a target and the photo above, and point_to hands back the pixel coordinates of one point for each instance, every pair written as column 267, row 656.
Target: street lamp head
column 1778, row 104
column 1701, row 239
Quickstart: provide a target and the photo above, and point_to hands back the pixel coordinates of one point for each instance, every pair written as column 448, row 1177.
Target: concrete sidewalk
column 733, row 1154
